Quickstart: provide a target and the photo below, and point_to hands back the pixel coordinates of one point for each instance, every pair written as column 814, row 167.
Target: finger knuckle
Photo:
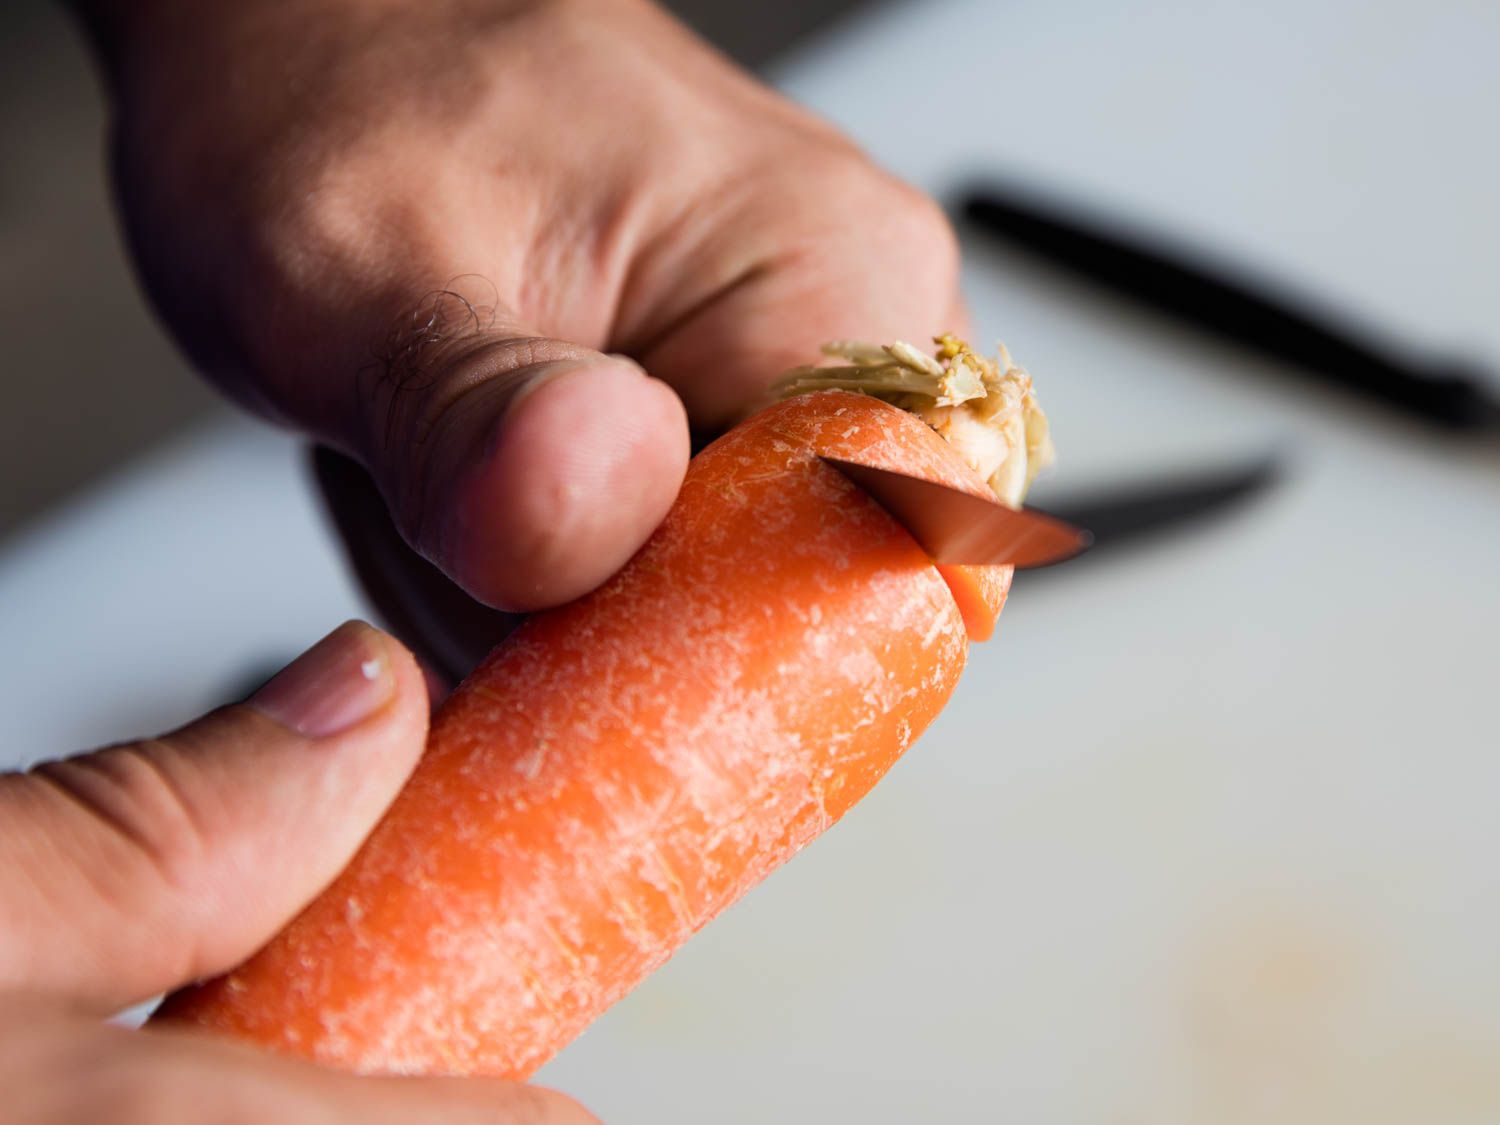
column 139, row 795
column 332, row 219
column 866, row 205
column 916, row 227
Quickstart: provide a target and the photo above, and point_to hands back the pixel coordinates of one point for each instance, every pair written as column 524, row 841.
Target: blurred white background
column 1208, row 834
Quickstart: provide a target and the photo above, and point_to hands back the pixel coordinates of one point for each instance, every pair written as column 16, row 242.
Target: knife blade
column 957, row 527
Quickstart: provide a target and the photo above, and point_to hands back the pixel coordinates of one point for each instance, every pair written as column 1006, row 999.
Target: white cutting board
column 1209, row 833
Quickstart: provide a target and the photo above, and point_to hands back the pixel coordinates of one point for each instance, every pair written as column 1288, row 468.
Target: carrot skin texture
column 623, row 768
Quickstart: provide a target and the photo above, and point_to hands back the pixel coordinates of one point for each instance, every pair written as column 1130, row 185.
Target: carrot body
column 622, row 768
column 980, row 592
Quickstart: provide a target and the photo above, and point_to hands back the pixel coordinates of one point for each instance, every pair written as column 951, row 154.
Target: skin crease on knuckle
column 134, row 792
column 142, row 831
column 143, row 821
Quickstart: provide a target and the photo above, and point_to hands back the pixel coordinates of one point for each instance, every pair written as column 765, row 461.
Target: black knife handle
column 1234, row 309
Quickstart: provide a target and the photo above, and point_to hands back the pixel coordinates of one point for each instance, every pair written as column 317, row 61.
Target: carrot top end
column 985, row 408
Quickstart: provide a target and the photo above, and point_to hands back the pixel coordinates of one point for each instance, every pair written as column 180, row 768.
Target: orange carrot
column 623, row 768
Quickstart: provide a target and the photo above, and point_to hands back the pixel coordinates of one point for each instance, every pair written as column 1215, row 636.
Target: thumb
column 528, row 469
column 136, row 868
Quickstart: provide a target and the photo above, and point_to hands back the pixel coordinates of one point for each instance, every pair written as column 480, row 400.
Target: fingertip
column 369, row 756
column 573, row 479
column 515, row 1101
column 410, row 704
column 552, row 1107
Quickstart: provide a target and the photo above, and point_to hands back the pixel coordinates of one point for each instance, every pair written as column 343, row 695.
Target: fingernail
column 338, row 683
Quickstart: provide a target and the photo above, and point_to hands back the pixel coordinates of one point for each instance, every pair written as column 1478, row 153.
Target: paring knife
column 957, row 527
column 1143, row 509
column 1226, row 303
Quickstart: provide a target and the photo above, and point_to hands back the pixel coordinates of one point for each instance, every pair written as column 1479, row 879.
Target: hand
column 135, row 869
column 416, row 228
